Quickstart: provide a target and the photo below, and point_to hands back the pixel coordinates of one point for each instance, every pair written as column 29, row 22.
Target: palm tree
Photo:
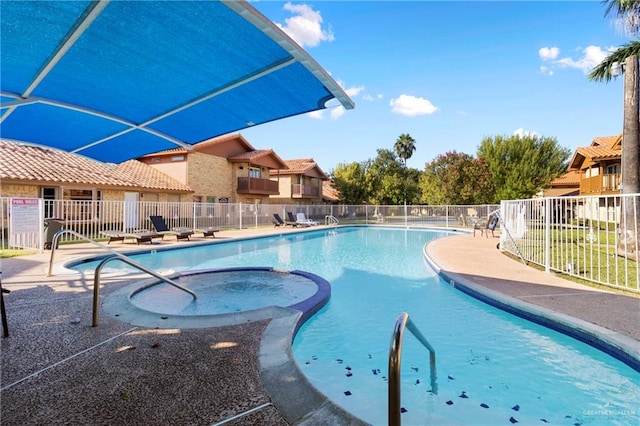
column 404, row 147
column 628, row 11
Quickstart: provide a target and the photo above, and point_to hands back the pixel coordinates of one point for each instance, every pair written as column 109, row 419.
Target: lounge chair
column 208, row 231
column 162, row 229
column 293, row 219
column 139, row 236
column 277, row 221
column 301, row 218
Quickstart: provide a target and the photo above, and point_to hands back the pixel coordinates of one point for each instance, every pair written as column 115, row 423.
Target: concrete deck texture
column 58, row 369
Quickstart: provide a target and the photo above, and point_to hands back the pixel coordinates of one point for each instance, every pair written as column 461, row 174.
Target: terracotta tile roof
column 607, row 141
column 262, row 157
column 223, row 139
column 206, row 144
column 22, row 162
column 329, row 192
column 602, row 148
column 150, row 177
column 572, row 177
column 599, row 152
column 301, row 166
column 251, row 155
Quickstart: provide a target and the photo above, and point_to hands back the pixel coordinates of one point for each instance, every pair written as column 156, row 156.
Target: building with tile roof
column 564, row 186
column 39, row 172
column 599, row 166
column 300, row 182
column 223, row 169
column 330, row 195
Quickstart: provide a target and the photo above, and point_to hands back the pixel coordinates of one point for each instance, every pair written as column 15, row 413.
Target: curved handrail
column 56, row 237
column 118, row 256
column 96, row 276
column 331, row 220
column 395, row 357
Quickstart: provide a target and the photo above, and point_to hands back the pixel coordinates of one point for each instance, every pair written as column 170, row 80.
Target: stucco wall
column 19, row 190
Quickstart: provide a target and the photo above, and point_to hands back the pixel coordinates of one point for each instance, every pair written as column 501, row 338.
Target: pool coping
column 300, row 402
column 623, row 348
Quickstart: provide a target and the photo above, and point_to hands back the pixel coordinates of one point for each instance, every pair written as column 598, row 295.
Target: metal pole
column 547, row 235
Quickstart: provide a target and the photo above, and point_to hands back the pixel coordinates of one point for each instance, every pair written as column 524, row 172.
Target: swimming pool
column 493, row 368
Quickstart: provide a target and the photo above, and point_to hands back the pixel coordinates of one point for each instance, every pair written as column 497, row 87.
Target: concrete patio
column 58, row 369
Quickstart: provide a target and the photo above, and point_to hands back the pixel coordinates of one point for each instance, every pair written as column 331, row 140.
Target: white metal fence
column 39, row 222
column 593, row 238
column 588, row 237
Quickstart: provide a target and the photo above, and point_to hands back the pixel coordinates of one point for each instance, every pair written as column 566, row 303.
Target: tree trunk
column 629, row 243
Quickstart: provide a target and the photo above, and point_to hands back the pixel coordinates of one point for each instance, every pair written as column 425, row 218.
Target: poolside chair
column 162, row 229
column 277, row 221
column 293, row 219
column 208, row 231
column 484, row 229
column 301, row 218
column 139, row 236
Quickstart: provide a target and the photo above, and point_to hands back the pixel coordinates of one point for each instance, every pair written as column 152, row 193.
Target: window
column 612, row 169
column 177, row 158
column 84, row 206
column 49, row 195
column 254, row 172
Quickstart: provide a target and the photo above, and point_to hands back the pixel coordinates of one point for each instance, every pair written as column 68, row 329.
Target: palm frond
column 602, row 72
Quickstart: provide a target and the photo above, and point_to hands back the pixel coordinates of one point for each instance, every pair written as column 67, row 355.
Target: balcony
column 249, row 185
column 605, row 184
column 304, row 191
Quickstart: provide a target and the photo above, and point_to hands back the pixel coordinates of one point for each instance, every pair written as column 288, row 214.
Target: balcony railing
column 603, row 184
column 304, row 191
column 249, row 185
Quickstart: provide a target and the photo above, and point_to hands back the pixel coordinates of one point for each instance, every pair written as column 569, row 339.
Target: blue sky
column 449, row 74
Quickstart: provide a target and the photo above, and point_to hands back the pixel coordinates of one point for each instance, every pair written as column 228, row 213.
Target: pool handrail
column 395, row 357
column 331, row 220
column 125, row 259
column 96, row 277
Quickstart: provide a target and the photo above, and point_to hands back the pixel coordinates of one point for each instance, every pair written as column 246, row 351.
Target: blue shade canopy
column 114, row 80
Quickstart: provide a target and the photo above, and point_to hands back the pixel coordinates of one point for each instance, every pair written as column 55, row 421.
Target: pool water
column 222, row 292
column 493, row 368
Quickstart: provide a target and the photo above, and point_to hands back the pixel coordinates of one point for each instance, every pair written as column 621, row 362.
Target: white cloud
column 316, row 114
column 548, row 53
column 380, row 96
column 588, row 59
column 367, row 97
column 305, row 26
column 337, row 112
column 545, row 70
column 522, row 133
column 411, row 105
column 591, row 57
column 352, row 91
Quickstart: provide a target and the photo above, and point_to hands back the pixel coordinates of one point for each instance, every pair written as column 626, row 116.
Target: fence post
column 547, row 234
column 446, row 214
column 240, row 215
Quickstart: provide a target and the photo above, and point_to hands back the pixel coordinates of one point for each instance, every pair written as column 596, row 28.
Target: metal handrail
column 395, row 357
column 331, row 220
column 118, row 256
column 96, row 277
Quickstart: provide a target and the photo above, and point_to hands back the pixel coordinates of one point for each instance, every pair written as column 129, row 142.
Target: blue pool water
column 493, row 368
column 223, row 292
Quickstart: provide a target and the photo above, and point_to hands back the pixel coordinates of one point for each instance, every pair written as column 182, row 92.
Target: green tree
column 522, row 166
column 385, row 179
column 349, row 179
column 456, row 178
column 629, row 12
